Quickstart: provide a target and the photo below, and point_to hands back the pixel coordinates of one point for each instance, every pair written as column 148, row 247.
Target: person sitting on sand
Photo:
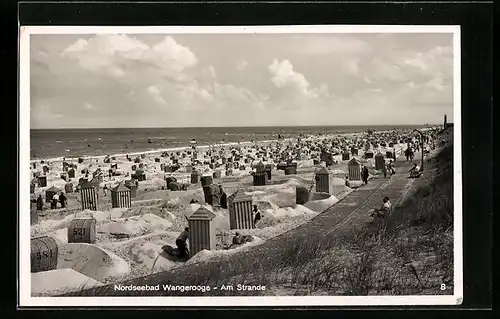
column 181, row 242
column 415, row 170
column 62, row 200
column 237, row 239
column 257, row 215
column 384, row 210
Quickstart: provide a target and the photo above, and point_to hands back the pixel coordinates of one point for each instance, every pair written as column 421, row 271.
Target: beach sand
column 129, row 240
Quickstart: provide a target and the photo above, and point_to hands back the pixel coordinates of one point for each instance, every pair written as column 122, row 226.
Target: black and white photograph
column 273, row 166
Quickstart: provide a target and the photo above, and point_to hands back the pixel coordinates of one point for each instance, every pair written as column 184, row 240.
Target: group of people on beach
column 53, row 202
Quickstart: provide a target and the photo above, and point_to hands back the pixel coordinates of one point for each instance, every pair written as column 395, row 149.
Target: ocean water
column 108, row 141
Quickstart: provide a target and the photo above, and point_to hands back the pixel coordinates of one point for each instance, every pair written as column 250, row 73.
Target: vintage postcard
column 240, row 166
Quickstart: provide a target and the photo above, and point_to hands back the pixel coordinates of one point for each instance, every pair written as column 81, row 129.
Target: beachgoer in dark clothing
column 237, row 239
column 223, row 200
column 181, row 242
column 384, row 170
column 39, row 203
column 391, row 168
column 62, row 200
column 257, row 215
column 364, row 174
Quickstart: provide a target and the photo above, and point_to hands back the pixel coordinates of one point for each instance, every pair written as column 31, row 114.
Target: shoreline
column 201, row 147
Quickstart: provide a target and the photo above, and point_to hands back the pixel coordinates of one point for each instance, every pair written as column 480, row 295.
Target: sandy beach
column 130, row 239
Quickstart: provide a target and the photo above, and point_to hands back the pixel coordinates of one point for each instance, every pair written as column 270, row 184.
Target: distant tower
column 445, row 122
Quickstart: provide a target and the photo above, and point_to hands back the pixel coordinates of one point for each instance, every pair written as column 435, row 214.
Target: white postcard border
column 24, row 280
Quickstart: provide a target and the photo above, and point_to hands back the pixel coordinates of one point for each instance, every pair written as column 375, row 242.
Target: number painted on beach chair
column 78, row 231
column 44, row 254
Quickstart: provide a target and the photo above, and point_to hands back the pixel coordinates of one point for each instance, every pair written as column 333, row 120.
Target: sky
column 198, row 80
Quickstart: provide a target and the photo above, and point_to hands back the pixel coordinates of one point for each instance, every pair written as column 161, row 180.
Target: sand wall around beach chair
column 60, row 281
column 91, row 261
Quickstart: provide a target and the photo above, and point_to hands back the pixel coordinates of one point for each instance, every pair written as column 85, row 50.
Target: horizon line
column 239, row 126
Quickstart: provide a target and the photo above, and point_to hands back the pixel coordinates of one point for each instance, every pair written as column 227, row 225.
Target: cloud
column 242, row 64
column 283, row 75
column 351, row 67
column 333, row 44
column 156, row 95
column 110, row 53
column 297, row 90
column 128, row 80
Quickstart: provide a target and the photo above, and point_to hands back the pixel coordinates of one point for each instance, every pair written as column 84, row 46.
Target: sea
column 71, row 143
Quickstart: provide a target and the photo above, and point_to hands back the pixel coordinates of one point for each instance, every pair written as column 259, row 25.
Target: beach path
column 350, row 213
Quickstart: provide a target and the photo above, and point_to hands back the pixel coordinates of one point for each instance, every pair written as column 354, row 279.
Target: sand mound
column 91, row 261
column 276, row 196
column 142, row 252
column 337, row 181
column 60, row 281
column 205, row 255
column 355, row 184
column 338, row 172
column 145, row 252
column 61, row 235
column 321, row 205
column 49, row 225
column 299, row 210
column 107, row 215
column 264, row 205
column 135, row 225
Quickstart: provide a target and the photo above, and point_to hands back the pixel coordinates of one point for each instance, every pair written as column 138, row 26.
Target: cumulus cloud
column 109, row 53
column 124, row 80
column 294, row 84
column 333, row 44
column 241, row 65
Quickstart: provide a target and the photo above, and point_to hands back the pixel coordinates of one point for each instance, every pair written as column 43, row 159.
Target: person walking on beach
column 181, row 242
column 39, row 202
column 384, row 170
column 62, row 200
column 407, row 154
column 364, row 174
column 104, row 189
column 257, row 216
column 392, row 170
